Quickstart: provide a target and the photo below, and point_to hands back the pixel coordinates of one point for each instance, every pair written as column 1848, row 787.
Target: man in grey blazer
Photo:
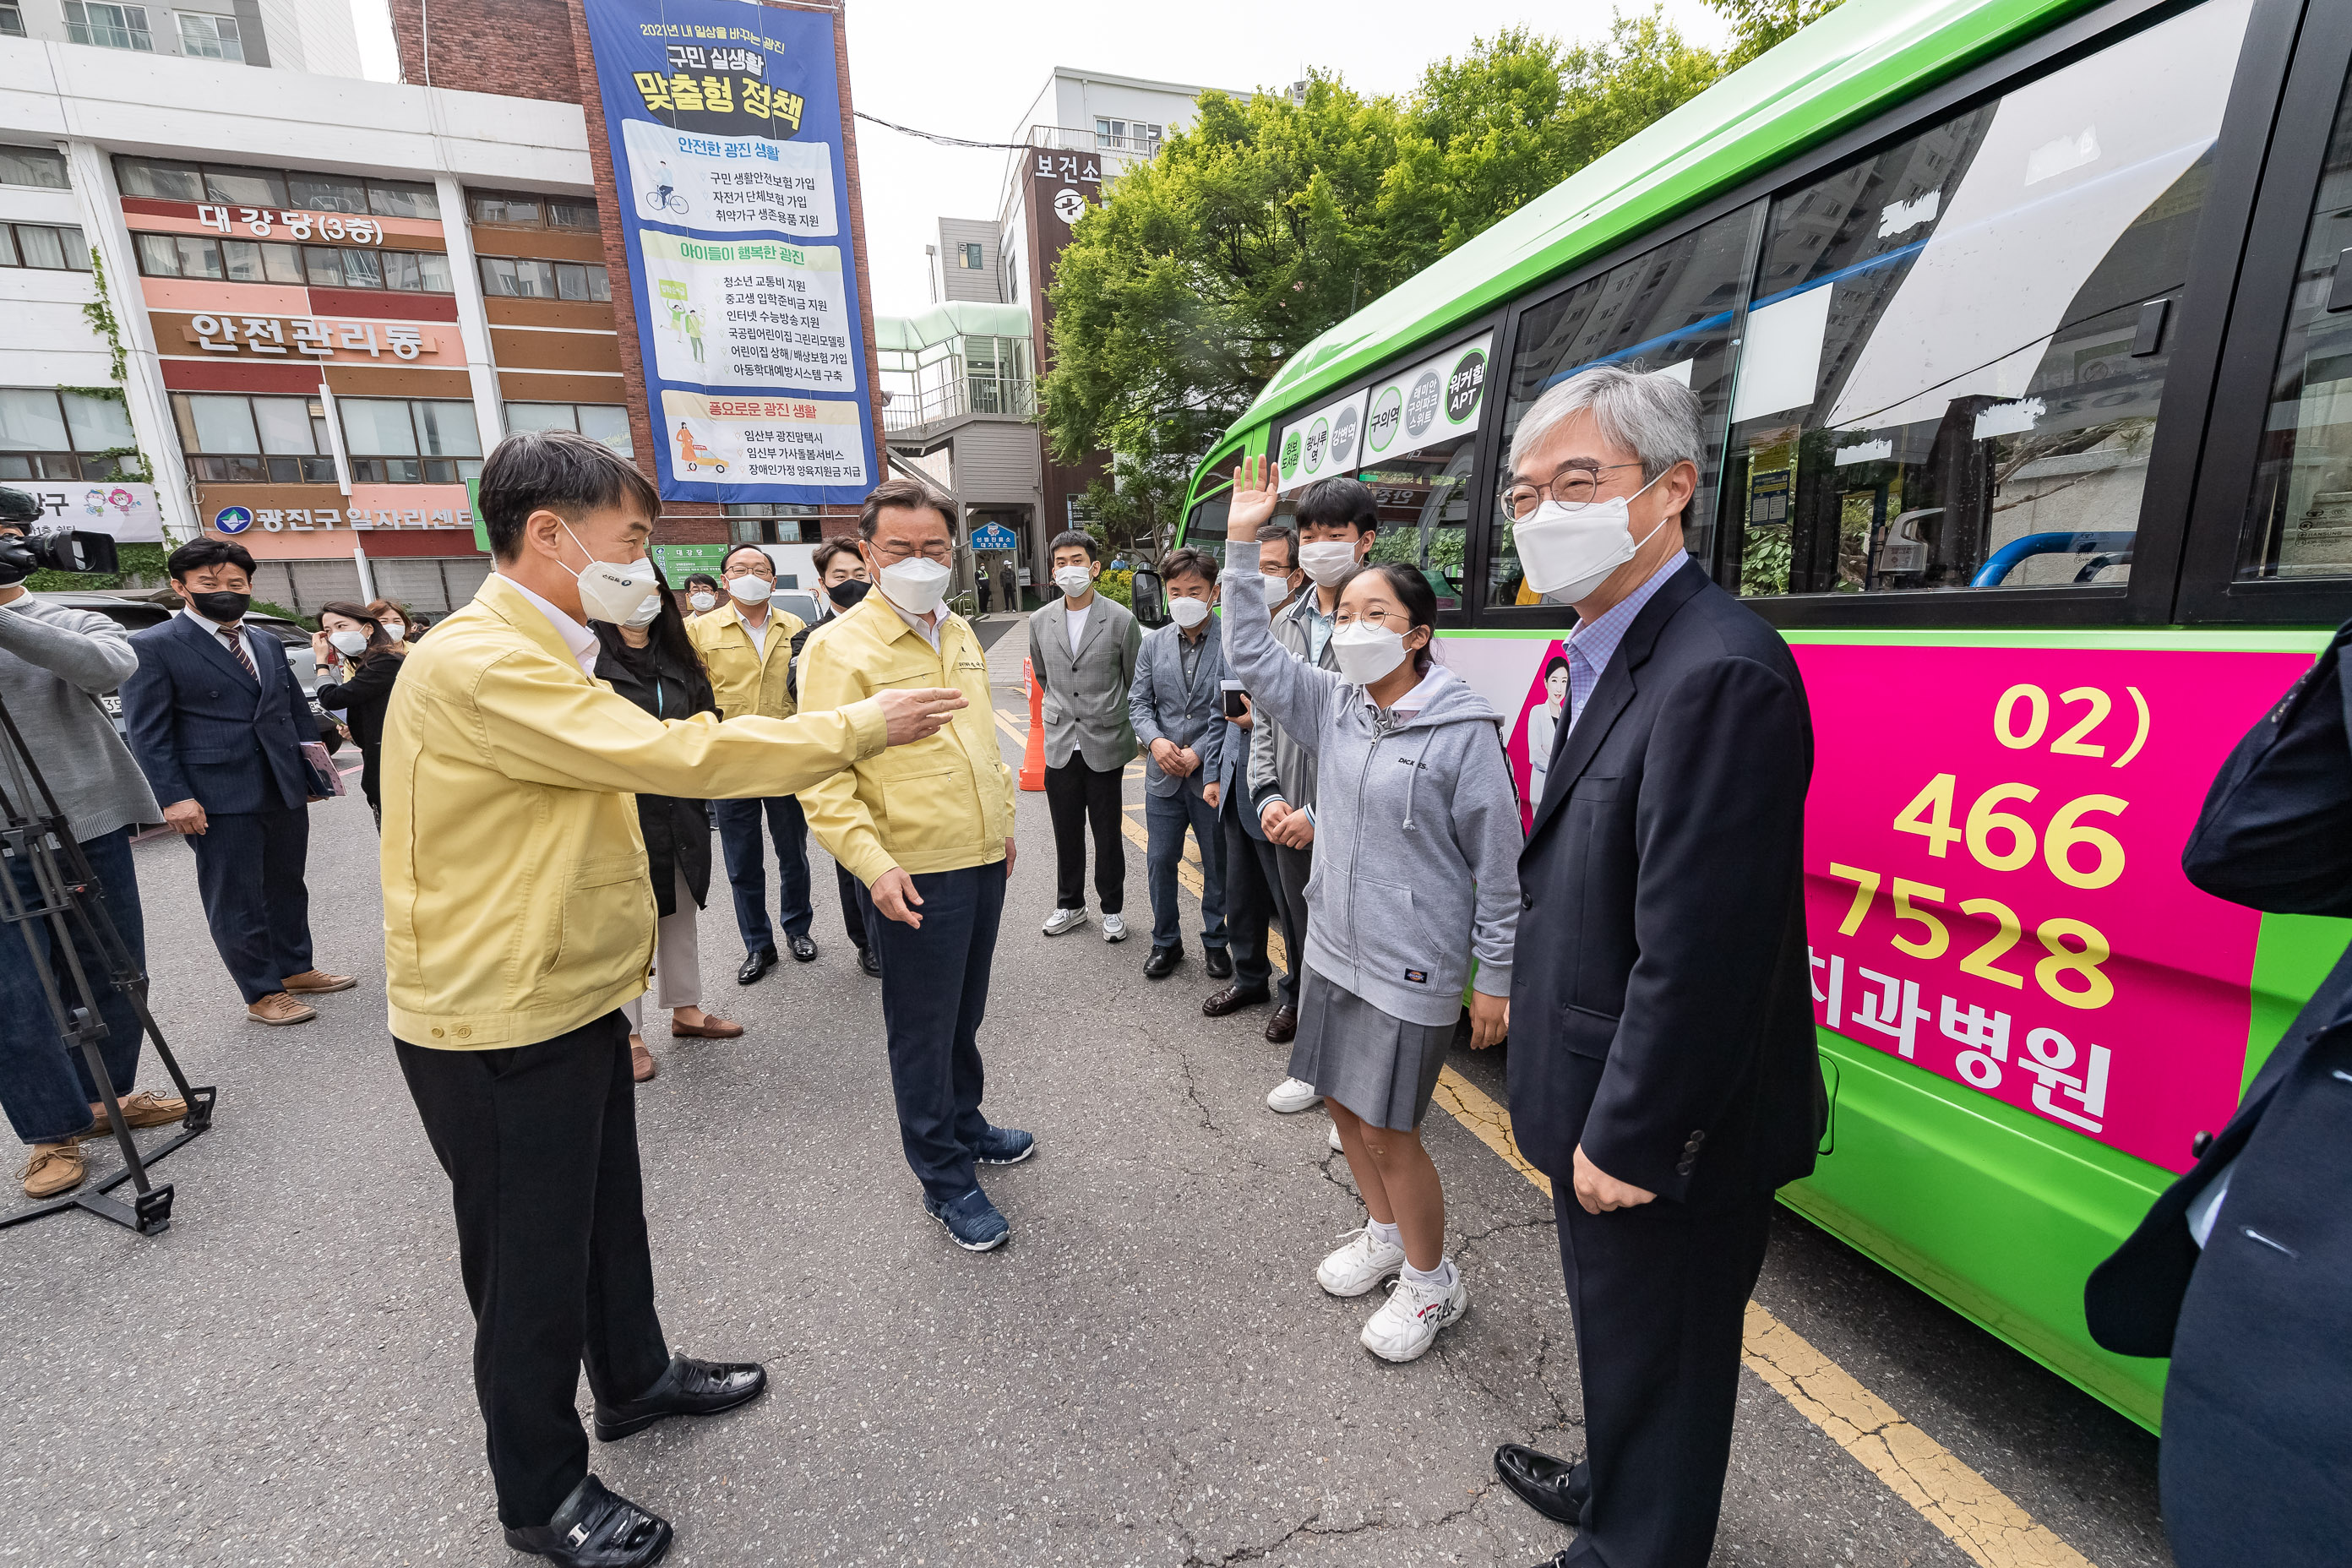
column 1082, row 649
column 1177, row 706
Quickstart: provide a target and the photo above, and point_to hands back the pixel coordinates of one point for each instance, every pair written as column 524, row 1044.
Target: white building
column 312, row 35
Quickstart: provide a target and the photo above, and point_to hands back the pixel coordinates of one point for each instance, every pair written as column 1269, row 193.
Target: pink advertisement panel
column 1994, row 884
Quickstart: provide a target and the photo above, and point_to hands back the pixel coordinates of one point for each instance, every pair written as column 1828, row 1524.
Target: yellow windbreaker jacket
column 939, row 805
column 747, row 679
column 517, row 905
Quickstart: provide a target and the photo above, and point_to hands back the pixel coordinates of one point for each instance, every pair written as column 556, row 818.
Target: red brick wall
column 516, row 47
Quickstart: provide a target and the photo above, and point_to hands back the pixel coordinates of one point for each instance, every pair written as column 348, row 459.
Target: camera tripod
column 34, row 835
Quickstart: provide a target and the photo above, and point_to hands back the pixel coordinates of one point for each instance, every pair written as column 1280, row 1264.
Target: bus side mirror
column 1149, row 598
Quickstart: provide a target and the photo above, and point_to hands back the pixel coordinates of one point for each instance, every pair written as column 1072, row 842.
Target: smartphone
column 1235, row 706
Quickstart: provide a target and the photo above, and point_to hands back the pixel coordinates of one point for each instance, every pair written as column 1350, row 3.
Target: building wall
column 519, row 47
column 950, row 279
column 314, row 36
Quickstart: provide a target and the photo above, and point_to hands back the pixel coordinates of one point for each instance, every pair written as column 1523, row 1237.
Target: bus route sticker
column 1993, row 888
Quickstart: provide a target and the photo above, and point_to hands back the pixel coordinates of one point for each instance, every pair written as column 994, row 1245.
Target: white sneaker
column 1062, row 921
column 1359, row 1266
column 1292, row 1094
column 1335, row 1144
column 1114, row 928
column 1407, row 1323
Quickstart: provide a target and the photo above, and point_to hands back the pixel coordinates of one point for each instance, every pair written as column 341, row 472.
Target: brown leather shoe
column 1284, row 1026
column 712, row 1027
column 1233, row 999
column 55, row 1168
column 277, row 1008
column 144, row 1108
column 318, row 982
column 642, row 1066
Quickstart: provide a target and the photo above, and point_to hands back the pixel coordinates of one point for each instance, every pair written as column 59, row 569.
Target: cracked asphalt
column 1147, row 1375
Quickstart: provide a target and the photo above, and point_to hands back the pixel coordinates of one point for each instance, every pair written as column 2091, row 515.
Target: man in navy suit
column 217, row 722
column 1664, row 1070
column 2241, row 1272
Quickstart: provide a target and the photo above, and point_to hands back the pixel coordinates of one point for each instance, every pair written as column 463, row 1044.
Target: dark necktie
column 237, row 646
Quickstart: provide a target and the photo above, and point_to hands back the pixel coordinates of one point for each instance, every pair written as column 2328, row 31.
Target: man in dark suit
column 217, row 722
column 1663, row 1066
column 2242, row 1271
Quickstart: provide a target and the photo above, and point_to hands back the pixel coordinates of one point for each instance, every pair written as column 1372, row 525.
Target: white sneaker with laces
column 1335, row 1144
column 1359, row 1266
column 1114, row 928
column 1407, row 1323
column 1292, row 1094
column 1062, row 921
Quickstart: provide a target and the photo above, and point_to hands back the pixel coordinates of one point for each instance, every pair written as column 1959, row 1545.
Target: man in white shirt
column 1082, row 649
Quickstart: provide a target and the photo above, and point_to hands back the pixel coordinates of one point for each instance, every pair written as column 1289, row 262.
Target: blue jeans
column 934, row 994
column 1165, row 817
column 45, row 1088
column 746, row 866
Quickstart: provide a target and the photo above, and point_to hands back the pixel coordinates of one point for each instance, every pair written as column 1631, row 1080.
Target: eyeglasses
column 936, row 553
column 1575, row 484
column 1396, row 621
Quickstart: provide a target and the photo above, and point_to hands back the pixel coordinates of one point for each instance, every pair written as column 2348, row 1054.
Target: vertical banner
column 725, row 123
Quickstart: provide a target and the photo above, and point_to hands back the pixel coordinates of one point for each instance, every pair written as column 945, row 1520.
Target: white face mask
column 348, row 644
column 645, row 614
column 614, row 590
column 751, row 588
column 1567, row 551
column 916, row 584
column 1188, row 613
column 1074, row 580
column 393, row 630
column 1328, row 561
column 1366, row 652
column 702, row 602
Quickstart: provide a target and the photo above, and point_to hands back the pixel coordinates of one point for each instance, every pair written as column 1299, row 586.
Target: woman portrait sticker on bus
column 1543, row 711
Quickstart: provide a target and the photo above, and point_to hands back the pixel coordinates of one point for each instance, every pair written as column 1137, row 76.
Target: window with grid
column 53, row 247
column 11, row 21
column 608, row 423
column 208, row 38
column 410, row 440
column 108, row 26
column 271, row 261
column 47, row 433
column 969, row 257
column 521, row 277
column 31, row 165
column 230, row 438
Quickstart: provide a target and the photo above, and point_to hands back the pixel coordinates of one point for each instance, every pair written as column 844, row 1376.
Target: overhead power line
column 934, row 137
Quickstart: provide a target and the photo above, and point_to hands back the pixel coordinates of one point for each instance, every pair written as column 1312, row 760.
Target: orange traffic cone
column 1033, row 757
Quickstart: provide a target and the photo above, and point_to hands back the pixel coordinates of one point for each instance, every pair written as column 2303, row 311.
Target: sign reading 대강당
column 726, row 131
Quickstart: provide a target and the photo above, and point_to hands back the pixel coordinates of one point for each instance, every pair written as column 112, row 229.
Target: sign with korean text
column 267, row 222
column 1993, row 876
column 679, row 562
column 1325, row 442
column 725, row 123
column 1435, row 401
column 118, row 506
column 291, row 338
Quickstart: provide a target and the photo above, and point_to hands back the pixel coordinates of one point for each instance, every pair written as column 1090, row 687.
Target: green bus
column 2022, row 330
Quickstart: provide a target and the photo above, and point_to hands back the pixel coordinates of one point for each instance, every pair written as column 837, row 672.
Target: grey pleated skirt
column 1377, row 1065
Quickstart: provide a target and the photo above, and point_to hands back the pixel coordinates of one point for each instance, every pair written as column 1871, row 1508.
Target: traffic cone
column 1033, row 757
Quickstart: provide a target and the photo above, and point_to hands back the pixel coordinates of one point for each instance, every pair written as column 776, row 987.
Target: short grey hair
column 1651, row 416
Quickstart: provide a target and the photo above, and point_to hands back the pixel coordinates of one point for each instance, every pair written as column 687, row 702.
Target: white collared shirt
column 926, row 628
column 578, row 640
column 254, row 646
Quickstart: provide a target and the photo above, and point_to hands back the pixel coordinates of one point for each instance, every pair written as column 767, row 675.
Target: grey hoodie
column 1416, row 828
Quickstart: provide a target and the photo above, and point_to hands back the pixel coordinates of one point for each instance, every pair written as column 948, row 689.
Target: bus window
column 1204, row 528
column 1668, row 310
column 2299, row 523
column 1957, row 348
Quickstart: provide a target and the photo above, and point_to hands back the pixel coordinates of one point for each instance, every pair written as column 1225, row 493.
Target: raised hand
column 917, row 714
column 1257, row 492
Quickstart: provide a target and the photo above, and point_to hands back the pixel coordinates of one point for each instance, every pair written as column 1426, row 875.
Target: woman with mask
column 398, row 625
column 1543, row 726
column 648, row 659
column 352, row 642
column 1416, row 877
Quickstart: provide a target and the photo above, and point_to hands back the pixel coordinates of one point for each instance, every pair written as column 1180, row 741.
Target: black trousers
column 249, row 867
column 1077, row 797
column 934, row 995
column 1250, row 902
column 852, row 915
column 1659, row 1296
column 1288, row 886
column 539, row 1142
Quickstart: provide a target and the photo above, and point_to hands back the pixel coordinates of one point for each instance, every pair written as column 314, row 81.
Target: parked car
column 136, row 613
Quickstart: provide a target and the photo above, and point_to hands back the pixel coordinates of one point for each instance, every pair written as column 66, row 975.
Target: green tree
column 1758, row 25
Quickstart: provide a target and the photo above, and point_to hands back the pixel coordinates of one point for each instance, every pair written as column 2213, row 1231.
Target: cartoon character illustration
column 663, row 196
column 677, row 319
column 1542, row 714
column 694, row 333
column 693, row 454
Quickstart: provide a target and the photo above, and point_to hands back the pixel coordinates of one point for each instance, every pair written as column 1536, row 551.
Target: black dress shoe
column 870, row 962
column 804, row 949
column 1556, row 1489
column 688, row 1388
column 1284, row 1026
column 1233, row 999
column 1162, row 963
column 756, row 963
column 595, row 1528
column 1218, row 962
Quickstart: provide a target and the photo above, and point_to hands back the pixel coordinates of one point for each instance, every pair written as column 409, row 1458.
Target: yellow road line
column 1977, row 1516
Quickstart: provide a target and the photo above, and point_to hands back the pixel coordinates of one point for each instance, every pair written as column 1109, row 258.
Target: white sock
column 1384, row 1234
column 1441, row 1277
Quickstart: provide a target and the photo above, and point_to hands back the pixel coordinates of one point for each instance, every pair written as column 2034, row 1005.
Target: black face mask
column 222, row 607
column 845, row 593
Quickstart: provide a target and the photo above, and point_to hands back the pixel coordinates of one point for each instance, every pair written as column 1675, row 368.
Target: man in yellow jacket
column 746, row 645
column 927, row 829
column 518, row 917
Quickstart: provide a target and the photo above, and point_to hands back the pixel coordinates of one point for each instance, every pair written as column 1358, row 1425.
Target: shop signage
column 293, row 336
column 994, row 536
column 725, row 123
column 127, row 511
column 263, row 223
column 679, row 562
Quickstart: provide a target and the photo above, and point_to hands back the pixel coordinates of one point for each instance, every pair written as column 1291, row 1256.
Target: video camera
column 53, row 548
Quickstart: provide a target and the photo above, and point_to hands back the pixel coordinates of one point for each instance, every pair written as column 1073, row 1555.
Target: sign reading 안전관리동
column 726, row 133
